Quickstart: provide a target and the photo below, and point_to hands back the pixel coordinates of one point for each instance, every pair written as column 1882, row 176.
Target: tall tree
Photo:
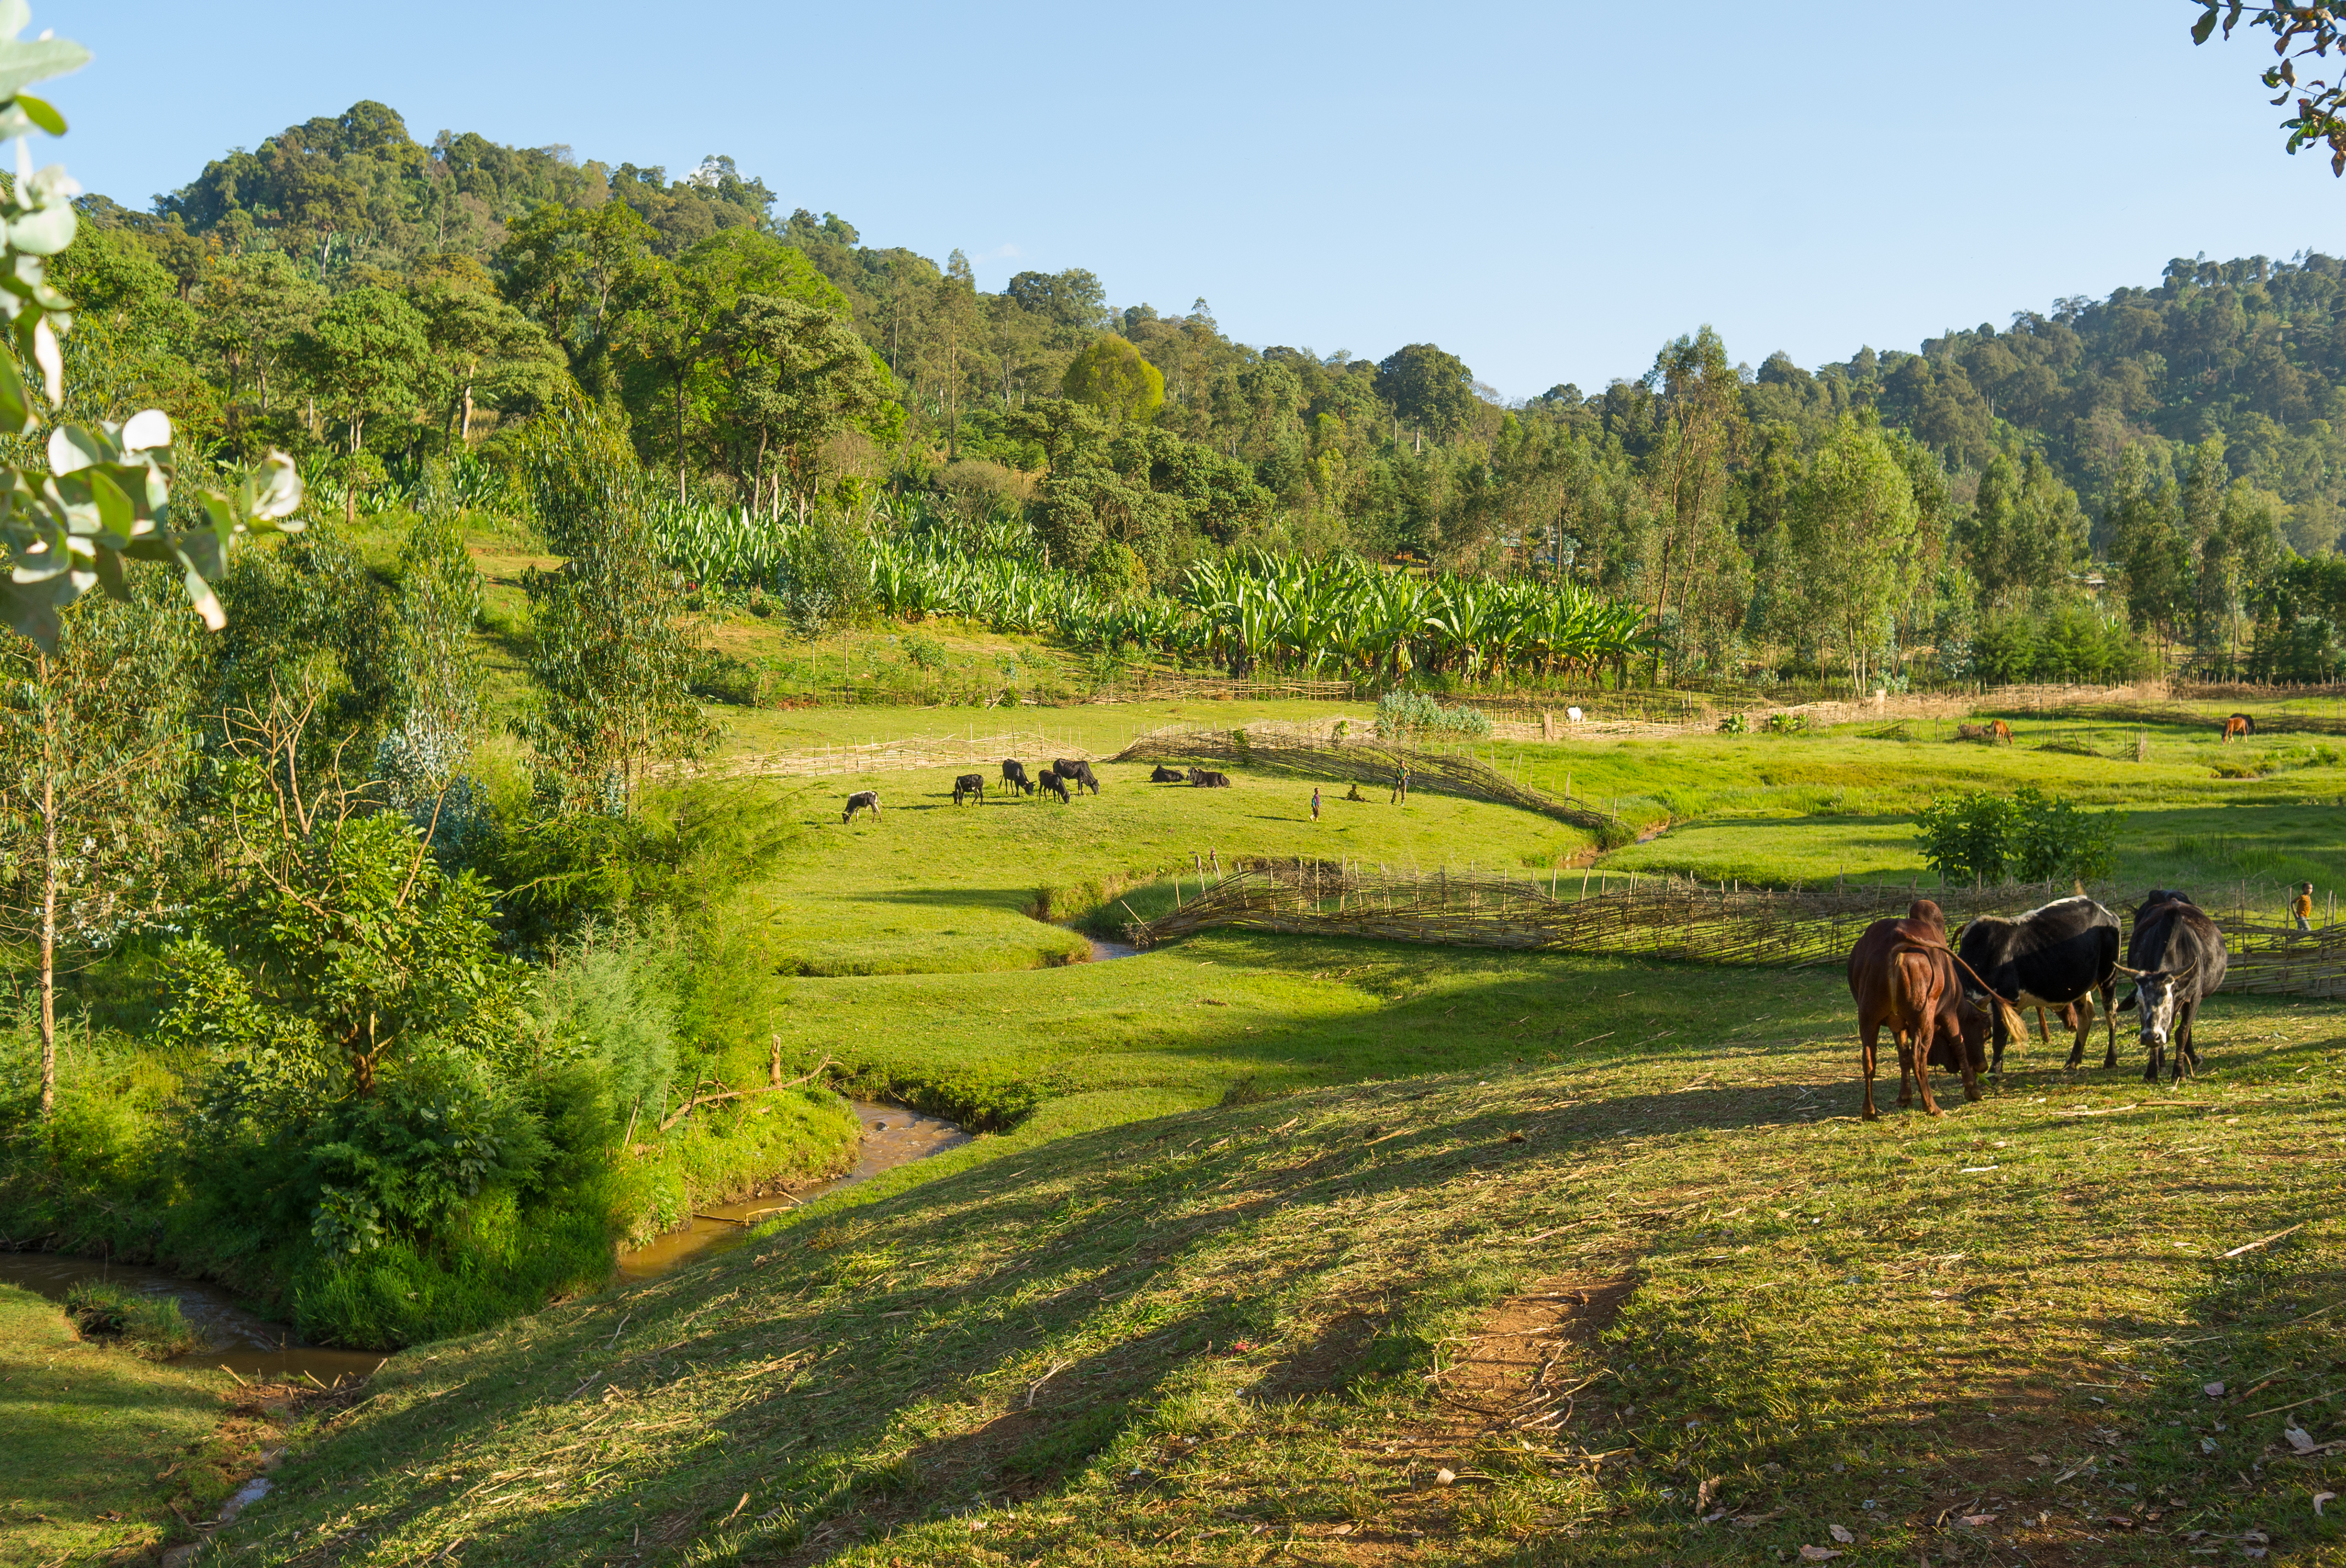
column 1701, row 396
column 1853, row 531
column 1431, row 391
column 366, row 358
column 1110, row 377
column 797, row 377
column 91, row 736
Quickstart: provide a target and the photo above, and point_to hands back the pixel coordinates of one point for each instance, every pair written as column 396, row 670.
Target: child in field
column 1315, row 802
column 2304, row 906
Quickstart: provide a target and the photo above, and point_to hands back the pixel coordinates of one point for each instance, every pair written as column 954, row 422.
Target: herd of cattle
column 1996, row 732
column 1062, row 777
column 1943, row 1003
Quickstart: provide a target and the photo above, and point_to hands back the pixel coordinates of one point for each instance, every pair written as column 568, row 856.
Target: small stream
column 258, row 1349
column 893, row 1136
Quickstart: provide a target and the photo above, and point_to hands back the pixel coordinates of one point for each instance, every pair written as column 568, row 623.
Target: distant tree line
column 2119, row 484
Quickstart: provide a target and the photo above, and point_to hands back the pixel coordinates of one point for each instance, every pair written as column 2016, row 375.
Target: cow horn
column 2122, row 969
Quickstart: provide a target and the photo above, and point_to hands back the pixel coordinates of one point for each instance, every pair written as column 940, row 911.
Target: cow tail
column 2011, row 1023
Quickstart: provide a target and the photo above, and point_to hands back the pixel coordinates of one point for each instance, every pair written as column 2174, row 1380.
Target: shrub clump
column 1401, row 713
column 1982, row 835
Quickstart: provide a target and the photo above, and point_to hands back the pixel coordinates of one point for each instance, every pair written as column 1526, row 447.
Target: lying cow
column 1164, row 775
column 1901, row 973
column 1994, row 732
column 2177, row 961
column 972, row 784
column 2052, row 956
column 1050, row 783
column 1207, row 779
column 863, row 800
column 1014, row 776
column 1076, row 773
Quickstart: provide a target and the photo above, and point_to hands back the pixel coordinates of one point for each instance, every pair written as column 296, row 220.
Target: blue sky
column 1549, row 192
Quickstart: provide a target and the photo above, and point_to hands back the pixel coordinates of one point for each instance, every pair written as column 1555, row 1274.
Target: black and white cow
column 2177, row 961
column 863, row 800
column 2049, row 957
column 972, row 784
column 1014, row 776
column 1076, row 773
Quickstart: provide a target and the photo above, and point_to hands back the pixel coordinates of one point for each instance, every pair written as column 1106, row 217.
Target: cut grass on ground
column 1259, row 1331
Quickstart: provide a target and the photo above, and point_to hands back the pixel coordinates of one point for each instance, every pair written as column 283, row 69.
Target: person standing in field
column 2302, row 907
column 1315, row 802
column 1400, row 786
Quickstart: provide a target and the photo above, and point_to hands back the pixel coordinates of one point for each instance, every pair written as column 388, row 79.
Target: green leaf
column 41, row 113
column 38, row 60
column 15, row 403
column 2205, row 28
column 115, row 511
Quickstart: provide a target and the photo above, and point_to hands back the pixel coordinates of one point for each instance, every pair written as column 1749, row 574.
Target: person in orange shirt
column 2302, row 907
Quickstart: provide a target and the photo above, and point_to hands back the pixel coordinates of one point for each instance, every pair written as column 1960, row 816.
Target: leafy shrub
column 1788, row 724
column 1981, row 836
column 1734, row 724
column 1404, row 713
column 722, row 677
column 825, row 577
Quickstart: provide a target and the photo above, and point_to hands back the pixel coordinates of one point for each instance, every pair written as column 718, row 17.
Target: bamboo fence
column 1677, row 919
column 1298, row 751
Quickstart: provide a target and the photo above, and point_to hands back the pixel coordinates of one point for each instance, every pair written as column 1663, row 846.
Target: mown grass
column 1219, row 1335
column 98, row 1444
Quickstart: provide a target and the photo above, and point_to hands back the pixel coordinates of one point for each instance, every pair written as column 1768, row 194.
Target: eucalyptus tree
column 106, row 495
column 476, row 340
column 1853, row 535
column 1702, row 401
column 92, row 732
column 253, row 307
column 798, row 376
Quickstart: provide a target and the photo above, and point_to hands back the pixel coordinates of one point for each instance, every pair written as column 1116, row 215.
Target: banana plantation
column 1250, row 612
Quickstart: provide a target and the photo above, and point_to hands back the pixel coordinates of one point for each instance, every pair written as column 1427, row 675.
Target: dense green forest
column 2120, row 483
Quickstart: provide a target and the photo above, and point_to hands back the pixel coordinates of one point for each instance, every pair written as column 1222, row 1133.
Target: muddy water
column 256, row 1349
column 248, row 1345
column 893, row 1136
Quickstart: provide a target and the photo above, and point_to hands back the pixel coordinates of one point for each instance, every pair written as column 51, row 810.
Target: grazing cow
column 863, row 800
column 1014, row 775
column 2049, row 957
column 1999, row 733
column 1207, row 779
column 972, row 784
column 1050, row 783
column 2177, row 960
column 1164, row 775
column 1078, row 773
column 2239, row 726
column 1901, row 973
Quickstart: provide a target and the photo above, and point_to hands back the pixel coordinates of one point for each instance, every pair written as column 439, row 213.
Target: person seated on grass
column 2302, row 907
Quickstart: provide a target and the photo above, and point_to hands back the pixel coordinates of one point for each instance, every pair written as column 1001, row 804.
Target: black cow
column 1050, row 783
column 1014, row 774
column 1078, row 773
column 1164, row 775
column 863, row 800
column 1207, row 779
column 970, row 784
column 2048, row 957
column 2177, row 961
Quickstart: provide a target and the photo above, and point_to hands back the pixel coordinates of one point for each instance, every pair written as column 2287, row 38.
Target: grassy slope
column 84, row 1431
column 1206, row 1338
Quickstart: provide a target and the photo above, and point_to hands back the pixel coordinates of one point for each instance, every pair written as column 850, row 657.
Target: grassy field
column 98, row 1446
column 1353, row 1252
column 1276, row 1330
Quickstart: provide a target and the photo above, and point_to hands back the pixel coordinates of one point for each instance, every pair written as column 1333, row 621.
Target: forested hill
column 2073, row 437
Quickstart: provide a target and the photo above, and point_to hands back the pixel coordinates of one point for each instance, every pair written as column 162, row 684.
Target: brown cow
column 1903, row 974
column 2239, row 724
column 1994, row 732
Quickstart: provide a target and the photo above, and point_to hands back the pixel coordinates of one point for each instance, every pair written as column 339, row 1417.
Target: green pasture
column 97, row 1444
column 1260, row 1332
column 935, row 887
